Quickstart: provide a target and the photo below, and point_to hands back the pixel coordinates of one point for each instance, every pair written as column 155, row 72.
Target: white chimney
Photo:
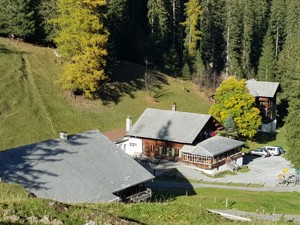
column 174, row 107
column 128, row 123
column 63, row 136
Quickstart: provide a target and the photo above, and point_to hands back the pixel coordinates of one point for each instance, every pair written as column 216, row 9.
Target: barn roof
column 176, row 126
column 85, row 168
column 262, row 88
column 213, row 146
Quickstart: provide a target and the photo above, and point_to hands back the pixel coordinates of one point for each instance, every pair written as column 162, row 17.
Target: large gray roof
column 213, row 146
column 182, row 127
column 262, row 88
column 86, row 168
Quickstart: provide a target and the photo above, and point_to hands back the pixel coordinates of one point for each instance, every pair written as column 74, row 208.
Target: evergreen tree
column 16, row 18
column 82, row 41
column 289, row 69
column 248, row 22
column 46, row 12
column 232, row 99
column 230, row 129
column 186, row 72
column 293, row 132
column 292, row 22
column 261, row 13
column 212, row 30
column 117, row 24
column 233, row 36
column 172, row 62
column 267, row 61
column 199, row 72
column 159, row 22
column 277, row 24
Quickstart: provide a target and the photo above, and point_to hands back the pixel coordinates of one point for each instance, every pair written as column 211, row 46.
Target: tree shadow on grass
column 126, row 79
column 34, row 166
column 170, row 185
column 264, row 137
column 5, row 50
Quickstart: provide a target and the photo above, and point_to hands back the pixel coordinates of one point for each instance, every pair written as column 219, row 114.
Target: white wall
column 132, row 146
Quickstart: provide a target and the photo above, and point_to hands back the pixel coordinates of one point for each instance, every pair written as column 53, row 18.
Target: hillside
column 33, row 106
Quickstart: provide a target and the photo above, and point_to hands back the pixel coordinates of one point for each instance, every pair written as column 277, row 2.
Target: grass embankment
column 33, row 107
column 166, row 208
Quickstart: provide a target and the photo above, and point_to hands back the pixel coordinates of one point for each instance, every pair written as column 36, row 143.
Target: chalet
column 181, row 135
column 214, row 154
column 164, row 132
column 80, row 168
column 265, row 96
column 187, row 137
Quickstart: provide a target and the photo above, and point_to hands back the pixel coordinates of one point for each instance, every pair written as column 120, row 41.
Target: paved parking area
column 263, row 171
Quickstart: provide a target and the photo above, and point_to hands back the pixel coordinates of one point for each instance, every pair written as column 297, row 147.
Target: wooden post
column 226, row 202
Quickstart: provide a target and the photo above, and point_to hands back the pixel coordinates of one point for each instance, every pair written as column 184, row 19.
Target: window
column 131, row 144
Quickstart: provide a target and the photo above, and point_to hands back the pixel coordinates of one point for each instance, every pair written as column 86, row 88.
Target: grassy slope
column 170, row 209
column 33, row 107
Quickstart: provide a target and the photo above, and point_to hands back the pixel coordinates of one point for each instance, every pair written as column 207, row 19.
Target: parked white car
column 260, row 152
column 274, row 150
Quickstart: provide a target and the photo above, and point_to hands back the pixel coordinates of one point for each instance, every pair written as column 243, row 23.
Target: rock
column 56, row 222
column 91, row 222
column 13, row 218
column 45, row 220
column 33, row 219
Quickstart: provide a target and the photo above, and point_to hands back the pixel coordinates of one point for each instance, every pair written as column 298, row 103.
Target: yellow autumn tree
column 193, row 14
column 82, row 40
column 232, row 99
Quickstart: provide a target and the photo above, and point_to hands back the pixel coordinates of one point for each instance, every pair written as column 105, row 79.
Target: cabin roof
column 213, row 146
column 168, row 125
column 262, row 88
column 85, row 168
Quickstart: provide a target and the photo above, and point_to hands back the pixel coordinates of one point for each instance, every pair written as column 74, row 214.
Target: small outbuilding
column 214, row 154
column 265, row 96
column 81, row 168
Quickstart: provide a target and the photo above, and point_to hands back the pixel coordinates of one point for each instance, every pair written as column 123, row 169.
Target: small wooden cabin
column 265, row 96
column 165, row 132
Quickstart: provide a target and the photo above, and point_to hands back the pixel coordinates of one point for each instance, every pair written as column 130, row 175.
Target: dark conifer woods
column 206, row 39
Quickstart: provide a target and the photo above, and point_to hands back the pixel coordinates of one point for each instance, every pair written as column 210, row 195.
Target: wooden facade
column 210, row 163
column 267, row 107
column 153, row 148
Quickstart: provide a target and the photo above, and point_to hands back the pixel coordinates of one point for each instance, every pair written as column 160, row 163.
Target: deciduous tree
column 193, row 13
column 82, row 40
column 232, row 99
